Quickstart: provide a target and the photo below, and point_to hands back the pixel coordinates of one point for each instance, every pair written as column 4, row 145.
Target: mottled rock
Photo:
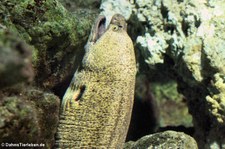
column 15, row 59
column 56, row 35
column 164, row 140
column 56, row 38
column 185, row 36
column 47, row 108
column 30, row 116
column 110, row 7
column 188, row 38
column 18, row 121
column 87, row 5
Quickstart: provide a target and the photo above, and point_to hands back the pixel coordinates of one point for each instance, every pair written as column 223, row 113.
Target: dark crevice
column 170, row 28
column 184, row 27
column 197, row 22
column 180, row 1
column 164, row 11
column 187, row 130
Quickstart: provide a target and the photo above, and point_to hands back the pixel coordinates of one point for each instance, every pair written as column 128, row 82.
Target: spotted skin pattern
column 97, row 106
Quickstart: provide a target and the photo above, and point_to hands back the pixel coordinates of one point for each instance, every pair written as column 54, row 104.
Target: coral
column 161, row 140
column 110, row 7
column 184, row 37
column 154, row 46
column 188, row 38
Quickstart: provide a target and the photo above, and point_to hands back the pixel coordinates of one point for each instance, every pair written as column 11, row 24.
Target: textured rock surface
column 188, row 38
column 44, row 33
column 28, row 116
column 80, row 5
column 56, row 35
column 15, row 59
column 164, row 140
column 110, row 7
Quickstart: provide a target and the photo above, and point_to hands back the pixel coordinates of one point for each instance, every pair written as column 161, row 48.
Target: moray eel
column 96, row 108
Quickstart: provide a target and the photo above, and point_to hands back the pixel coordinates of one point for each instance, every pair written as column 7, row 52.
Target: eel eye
column 117, row 27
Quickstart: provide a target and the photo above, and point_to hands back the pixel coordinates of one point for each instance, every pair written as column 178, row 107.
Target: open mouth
column 100, row 28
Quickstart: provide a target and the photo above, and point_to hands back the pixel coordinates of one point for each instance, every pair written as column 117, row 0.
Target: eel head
column 118, row 22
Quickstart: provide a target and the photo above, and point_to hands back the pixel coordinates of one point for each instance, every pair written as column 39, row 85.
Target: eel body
column 96, row 108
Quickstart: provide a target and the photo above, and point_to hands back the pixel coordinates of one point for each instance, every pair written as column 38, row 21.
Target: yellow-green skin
column 97, row 106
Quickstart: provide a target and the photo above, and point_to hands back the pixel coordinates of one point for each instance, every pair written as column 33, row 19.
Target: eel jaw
column 99, row 28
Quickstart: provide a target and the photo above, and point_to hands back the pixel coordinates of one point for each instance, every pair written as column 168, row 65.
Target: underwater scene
column 112, row 74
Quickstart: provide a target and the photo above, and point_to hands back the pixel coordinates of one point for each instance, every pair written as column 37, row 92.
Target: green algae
column 50, row 29
column 30, row 117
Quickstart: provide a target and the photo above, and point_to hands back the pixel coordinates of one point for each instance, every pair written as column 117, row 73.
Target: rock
column 187, row 37
column 110, row 7
column 162, row 140
column 18, row 121
column 46, row 34
column 57, row 36
column 47, row 107
column 88, row 5
column 15, row 59
column 28, row 117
